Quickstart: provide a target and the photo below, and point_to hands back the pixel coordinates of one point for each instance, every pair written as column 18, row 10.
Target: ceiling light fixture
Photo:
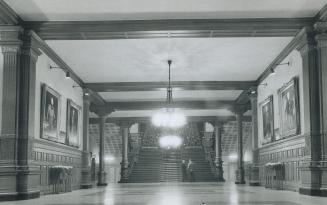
column 169, row 116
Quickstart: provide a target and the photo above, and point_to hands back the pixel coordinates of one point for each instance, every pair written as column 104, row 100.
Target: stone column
column 19, row 179
column 86, row 166
column 254, row 172
column 28, row 176
column 313, row 170
column 124, row 127
column 240, row 167
column 102, row 174
column 10, row 103
column 218, row 150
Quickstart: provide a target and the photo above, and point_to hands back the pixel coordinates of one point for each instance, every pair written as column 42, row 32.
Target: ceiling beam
column 152, row 105
column 193, row 28
column 182, row 85
column 189, row 119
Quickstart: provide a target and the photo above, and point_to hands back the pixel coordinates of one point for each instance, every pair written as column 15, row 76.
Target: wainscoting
column 46, row 154
column 288, row 152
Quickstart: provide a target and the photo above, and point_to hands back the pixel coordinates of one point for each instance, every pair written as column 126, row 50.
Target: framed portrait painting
column 50, row 113
column 73, row 123
column 267, row 114
column 289, row 108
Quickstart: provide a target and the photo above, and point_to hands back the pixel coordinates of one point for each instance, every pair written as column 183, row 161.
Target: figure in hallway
column 190, row 170
column 184, row 172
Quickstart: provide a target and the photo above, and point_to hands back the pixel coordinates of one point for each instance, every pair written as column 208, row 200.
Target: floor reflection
column 175, row 194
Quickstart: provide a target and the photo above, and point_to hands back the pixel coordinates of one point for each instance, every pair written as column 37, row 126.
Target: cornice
column 7, row 15
column 296, row 43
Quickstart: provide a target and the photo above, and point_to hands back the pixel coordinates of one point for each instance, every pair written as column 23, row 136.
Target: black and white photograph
column 73, row 112
column 50, row 112
column 171, row 102
column 289, row 108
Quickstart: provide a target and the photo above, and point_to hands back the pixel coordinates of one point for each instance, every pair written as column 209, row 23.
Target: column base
column 102, row 184
column 86, row 186
column 254, row 183
column 313, row 192
column 19, row 196
column 102, row 179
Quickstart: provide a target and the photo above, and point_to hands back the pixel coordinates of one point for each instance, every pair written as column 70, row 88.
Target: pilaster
column 314, row 170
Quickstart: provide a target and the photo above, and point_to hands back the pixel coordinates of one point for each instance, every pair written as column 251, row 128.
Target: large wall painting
column 50, row 113
column 289, row 108
column 73, row 123
column 267, row 113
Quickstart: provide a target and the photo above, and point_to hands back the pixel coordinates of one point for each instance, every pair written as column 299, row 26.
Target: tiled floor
column 176, row 193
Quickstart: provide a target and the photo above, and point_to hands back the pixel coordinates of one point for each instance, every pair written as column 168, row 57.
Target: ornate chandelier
column 169, row 116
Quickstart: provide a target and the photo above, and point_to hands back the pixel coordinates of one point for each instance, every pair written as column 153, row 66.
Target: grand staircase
column 170, row 170
column 157, row 165
column 202, row 169
column 147, row 169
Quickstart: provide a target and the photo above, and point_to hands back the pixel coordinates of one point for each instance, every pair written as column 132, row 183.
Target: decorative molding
column 7, row 15
column 150, row 105
column 294, row 44
column 183, row 85
column 11, row 35
column 322, row 14
column 117, row 120
column 131, row 29
column 54, row 57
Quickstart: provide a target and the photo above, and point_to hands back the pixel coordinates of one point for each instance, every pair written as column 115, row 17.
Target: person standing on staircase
column 184, row 172
column 190, row 169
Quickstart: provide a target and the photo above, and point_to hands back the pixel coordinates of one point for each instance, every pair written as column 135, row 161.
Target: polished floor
column 175, row 194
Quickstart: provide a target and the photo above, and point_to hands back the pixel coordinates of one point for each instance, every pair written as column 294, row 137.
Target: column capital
column 124, row 124
column 31, row 45
column 218, row 123
column 321, row 40
column 239, row 109
column 102, row 110
column 320, row 26
column 11, row 35
column 307, row 41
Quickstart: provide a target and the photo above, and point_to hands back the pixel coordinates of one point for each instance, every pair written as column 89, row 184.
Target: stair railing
column 133, row 155
column 208, row 150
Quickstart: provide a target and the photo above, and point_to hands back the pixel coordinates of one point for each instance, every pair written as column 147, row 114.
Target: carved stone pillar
column 102, row 174
column 19, row 179
column 218, row 151
column 86, row 166
column 314, row 168
column 254, row 171
column 124, row 127
column 28, row 176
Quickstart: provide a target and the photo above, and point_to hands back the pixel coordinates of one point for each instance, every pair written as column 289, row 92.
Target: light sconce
column 68, row 74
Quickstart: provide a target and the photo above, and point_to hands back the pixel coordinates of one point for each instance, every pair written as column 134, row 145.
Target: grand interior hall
column 180, row 102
